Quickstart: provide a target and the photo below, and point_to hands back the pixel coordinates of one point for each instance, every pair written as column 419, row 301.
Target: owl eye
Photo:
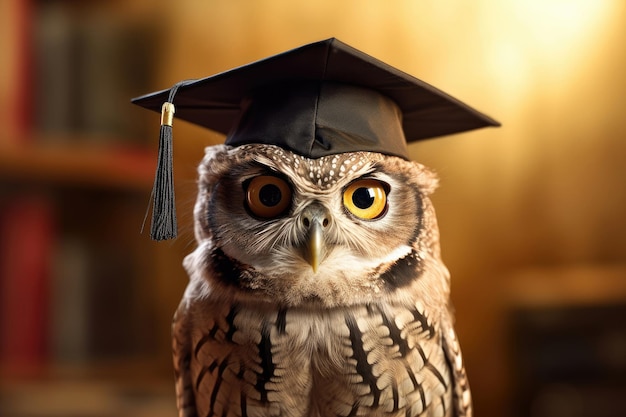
column 366, row 198
column 268, row 196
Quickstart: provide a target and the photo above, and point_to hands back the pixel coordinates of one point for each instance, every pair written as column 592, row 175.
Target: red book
column 26, row 245
column 16, row 56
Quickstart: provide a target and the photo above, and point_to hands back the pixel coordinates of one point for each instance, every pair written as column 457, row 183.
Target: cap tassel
column 164, row 225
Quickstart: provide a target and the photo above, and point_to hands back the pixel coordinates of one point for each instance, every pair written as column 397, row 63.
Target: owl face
column 341, row 229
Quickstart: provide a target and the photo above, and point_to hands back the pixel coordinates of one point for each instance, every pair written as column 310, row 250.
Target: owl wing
column 461, row 396
column 181, row 349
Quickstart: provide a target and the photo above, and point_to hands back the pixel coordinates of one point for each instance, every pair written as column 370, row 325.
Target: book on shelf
column 15, row 70
column 26, row 241
column 69, row 289
column 87, row 66
column 69, row 301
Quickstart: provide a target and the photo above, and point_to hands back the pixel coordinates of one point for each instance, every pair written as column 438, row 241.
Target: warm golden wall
column 546, row 189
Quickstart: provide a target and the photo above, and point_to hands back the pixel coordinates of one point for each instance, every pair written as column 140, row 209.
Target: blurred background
column 532, row 214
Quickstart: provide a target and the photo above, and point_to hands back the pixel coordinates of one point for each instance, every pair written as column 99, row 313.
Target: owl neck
column 253, row 285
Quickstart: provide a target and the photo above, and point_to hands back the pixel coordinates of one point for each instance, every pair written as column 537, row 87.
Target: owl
column 316, row 289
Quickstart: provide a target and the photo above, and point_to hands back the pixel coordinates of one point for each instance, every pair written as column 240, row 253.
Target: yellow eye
column 366, row 199
column 268, row 196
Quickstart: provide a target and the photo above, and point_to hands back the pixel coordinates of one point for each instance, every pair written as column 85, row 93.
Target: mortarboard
column 319, row 99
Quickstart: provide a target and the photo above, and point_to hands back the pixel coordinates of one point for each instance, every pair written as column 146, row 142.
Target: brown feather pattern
column 258, row 333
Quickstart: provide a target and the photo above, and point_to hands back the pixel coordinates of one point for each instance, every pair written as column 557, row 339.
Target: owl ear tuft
column 427, row 179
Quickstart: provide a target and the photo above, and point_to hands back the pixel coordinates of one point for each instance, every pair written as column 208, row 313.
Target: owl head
column 341, row 229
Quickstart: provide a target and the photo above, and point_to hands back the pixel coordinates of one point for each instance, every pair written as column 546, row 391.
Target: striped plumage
column 366, row 332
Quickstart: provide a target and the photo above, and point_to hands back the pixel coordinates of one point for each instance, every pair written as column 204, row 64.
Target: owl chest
column 367, row 359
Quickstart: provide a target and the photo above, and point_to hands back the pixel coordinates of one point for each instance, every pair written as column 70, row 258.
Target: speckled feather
column 258, row 333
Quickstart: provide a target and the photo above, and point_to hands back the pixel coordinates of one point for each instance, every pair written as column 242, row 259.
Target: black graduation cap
column 319, row 99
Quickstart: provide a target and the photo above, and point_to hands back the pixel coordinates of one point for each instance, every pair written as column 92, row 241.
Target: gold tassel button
column 167, row 114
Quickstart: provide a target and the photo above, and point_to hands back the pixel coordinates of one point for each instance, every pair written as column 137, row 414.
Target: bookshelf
column 122, row 168
column 81, row 290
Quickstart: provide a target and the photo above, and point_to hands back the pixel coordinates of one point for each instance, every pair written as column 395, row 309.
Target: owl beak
column 315, row 245
column 315, row 219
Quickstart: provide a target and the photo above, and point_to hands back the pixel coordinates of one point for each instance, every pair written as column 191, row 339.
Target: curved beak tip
column 315, row 246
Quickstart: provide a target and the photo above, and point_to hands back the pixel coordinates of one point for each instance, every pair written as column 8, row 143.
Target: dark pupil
column 363, row 198
column 270, row 195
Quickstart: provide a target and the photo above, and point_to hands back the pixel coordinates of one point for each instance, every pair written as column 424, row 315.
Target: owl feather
column 316, row 309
